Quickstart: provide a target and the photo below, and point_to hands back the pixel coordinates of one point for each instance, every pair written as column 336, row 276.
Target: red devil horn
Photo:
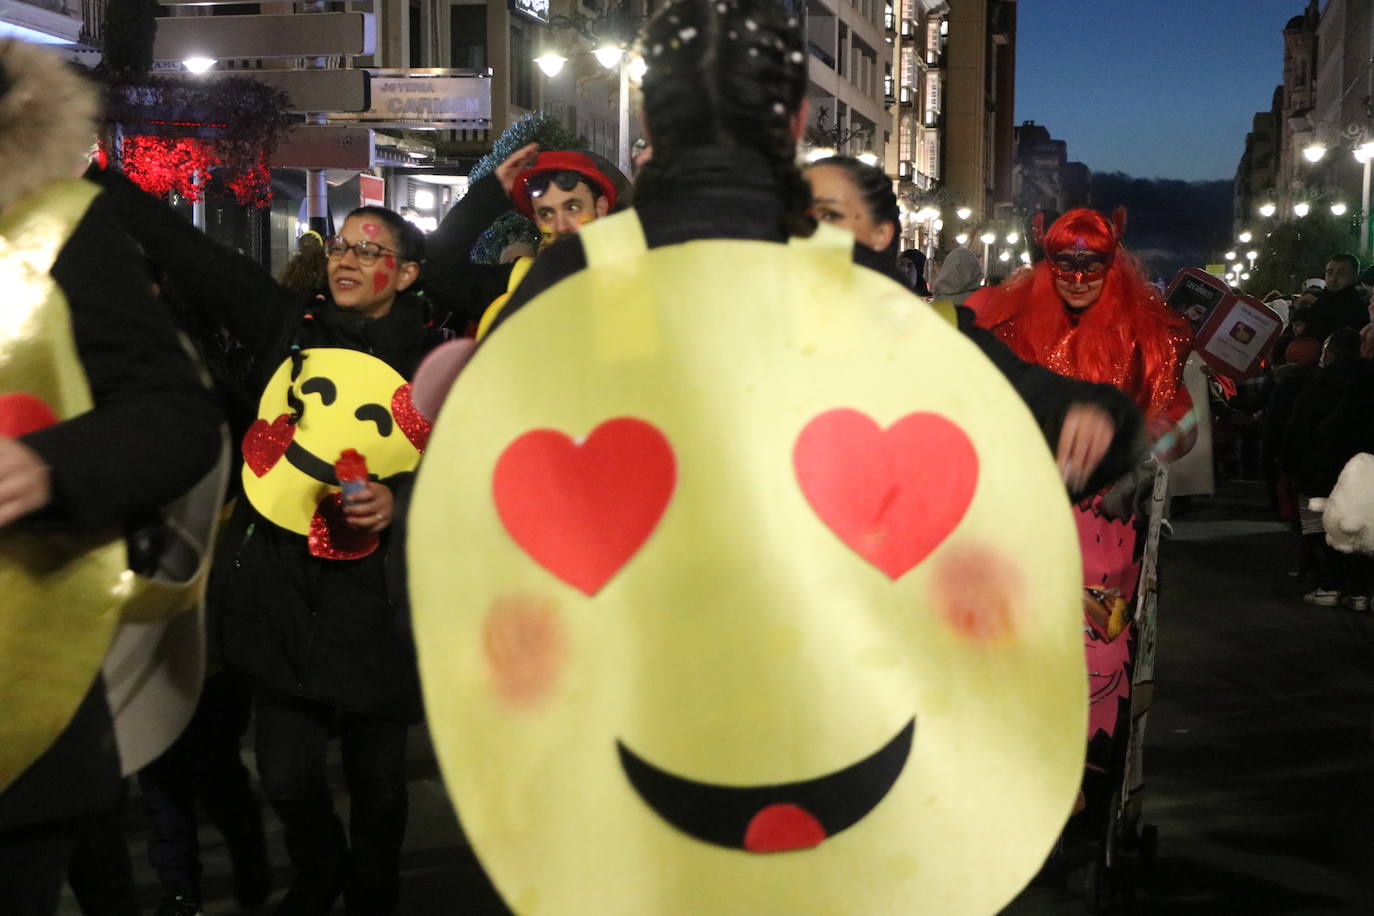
column 1119, row 222
column 1038, row 227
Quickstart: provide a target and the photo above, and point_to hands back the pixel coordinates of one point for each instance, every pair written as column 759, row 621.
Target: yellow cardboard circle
column 743, row 643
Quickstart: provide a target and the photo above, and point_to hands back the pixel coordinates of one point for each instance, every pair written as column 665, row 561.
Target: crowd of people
column 308, row 625
column 1298, row 423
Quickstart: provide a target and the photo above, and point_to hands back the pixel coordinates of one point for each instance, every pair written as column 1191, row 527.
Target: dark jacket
column 731, row 194
column 464, row 288
column 332, row 630
column 1331, row 422
column 1346, row 308
column 153, row 433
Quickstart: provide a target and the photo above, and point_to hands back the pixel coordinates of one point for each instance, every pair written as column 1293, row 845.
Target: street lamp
column 1313, row 152
column 962, row 238
column 1301, row 209
column 550, row 63
column 1013, row 237
column 198, row 64
column 1230, row 255
column 1268, row 209
column 1364, row 154
column 1338, row 209
column 963, row 212
column 1244, row 237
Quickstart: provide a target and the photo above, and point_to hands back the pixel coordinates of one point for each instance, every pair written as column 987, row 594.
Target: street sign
column 371, row 191
column 307, row 90
column 227, row 37
column 426, row 98
column 321, row 146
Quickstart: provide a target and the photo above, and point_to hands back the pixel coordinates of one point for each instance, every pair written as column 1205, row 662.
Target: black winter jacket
column 331, row 630
column 730, row 194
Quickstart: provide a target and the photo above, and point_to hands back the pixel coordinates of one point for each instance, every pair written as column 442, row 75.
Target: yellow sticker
column 758, row 625
column 347, row 399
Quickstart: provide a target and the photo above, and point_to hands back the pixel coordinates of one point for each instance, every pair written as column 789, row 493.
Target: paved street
column 1258, row 761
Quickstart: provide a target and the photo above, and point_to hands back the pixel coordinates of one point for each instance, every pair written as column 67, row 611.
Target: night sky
column 1164, row 89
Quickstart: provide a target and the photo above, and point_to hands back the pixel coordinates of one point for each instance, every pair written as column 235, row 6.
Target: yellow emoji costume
column 65, row 594
column 346, row 399
column 754, row 628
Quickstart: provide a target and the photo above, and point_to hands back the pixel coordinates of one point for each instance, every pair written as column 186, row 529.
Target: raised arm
column 450, row 276
column 239, row 292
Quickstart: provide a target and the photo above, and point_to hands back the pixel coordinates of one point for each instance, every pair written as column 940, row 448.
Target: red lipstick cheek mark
column 390, row 261
column 371, row 230
column 379, row 281
column 525, row 647
column 976, row 592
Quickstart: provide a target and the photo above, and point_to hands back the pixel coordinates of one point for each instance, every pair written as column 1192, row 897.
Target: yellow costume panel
column 760, row 605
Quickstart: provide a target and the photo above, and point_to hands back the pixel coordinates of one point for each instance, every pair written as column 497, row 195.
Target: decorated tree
column 1297, row 249
column 536, row 127
column 167, row 134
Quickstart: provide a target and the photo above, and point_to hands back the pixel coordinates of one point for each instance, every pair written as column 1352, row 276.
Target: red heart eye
column 264, row 443
column 581, row 510
column 892, row 495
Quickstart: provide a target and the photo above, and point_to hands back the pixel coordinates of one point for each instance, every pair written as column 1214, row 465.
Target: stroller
column 1105, row 838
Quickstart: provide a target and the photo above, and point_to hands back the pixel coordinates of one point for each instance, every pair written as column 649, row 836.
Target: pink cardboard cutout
column 437, row 373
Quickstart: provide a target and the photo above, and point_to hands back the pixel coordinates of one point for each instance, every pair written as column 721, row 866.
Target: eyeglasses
column 367, row 252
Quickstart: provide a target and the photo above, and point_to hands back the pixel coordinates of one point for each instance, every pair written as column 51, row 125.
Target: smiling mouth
column 308, row 463
column 771, row 818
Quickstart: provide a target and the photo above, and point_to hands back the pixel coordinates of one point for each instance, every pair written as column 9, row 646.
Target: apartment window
column 521, row 68
column 467, row 36
column 933, row 155
column 932, row 97
column 889, row 17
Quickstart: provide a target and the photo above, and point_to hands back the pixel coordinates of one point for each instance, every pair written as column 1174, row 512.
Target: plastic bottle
column 351, row 470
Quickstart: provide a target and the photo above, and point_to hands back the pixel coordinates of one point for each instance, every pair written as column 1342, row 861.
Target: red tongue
column 779, row 828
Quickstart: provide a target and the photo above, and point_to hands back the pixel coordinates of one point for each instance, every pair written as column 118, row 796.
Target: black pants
column 89, row 849
column 292, row 738
column 204, row 764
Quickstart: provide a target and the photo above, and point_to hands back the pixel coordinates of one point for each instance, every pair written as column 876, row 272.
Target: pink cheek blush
column 379, row 281
column 525, row 648
column 976, row 592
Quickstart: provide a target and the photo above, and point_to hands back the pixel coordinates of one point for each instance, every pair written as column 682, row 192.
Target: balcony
column 821, row 54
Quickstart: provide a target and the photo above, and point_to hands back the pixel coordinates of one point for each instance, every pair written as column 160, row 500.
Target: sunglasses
column 367, row 252
column 563, row 179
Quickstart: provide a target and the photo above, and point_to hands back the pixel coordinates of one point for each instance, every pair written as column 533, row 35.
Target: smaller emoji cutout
column 340, row 399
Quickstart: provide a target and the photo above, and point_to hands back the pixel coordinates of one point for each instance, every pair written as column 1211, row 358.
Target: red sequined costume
column 1128, row 337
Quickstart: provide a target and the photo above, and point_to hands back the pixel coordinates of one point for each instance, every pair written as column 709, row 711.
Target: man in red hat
column 560, row 191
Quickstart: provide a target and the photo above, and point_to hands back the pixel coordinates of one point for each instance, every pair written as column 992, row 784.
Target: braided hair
column 876, row 190
column 726, row 73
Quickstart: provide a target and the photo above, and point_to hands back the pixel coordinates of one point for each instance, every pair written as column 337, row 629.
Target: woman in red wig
column 1088, row 312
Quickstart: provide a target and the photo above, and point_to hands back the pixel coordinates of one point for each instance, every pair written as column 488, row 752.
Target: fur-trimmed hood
column 47, row 119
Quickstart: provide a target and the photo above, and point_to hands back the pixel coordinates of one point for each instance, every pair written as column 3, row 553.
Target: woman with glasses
column 303, row 598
